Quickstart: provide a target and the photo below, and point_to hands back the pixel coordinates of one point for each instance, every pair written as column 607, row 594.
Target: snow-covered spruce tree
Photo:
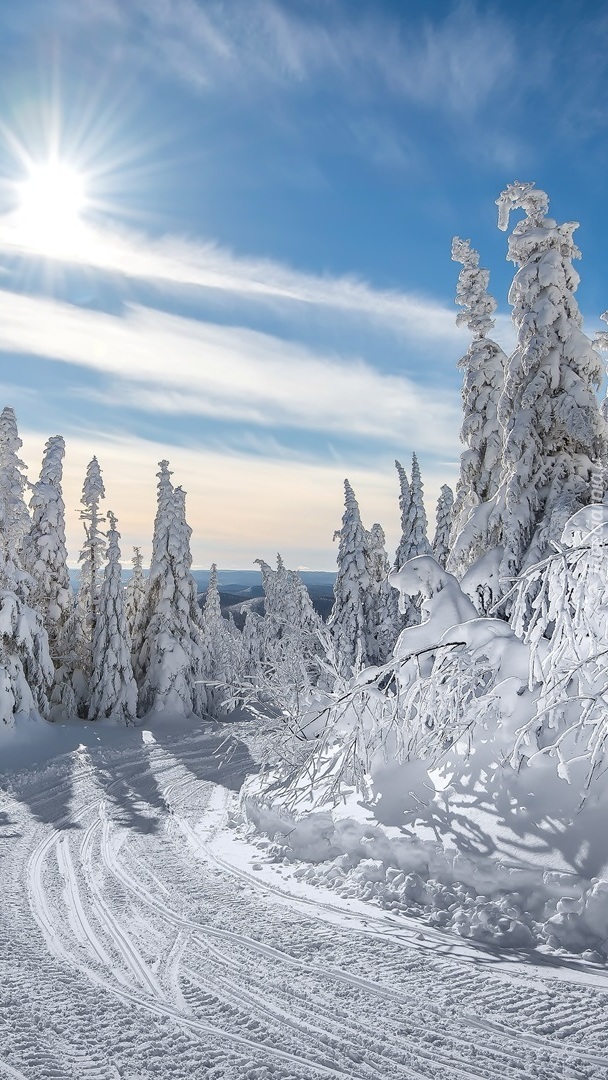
column 270, row 585
column 291, row 643
column 253, row 646
column 404, row 549
column 26, row 670
column 44, row 547
column 553, row 429
column 414, row 540
column 135, row 590
column 416, row 523
column 160, row 540
column 45, row 558
column 405, row 497
column 91, row 560
column 601, row 343
column 14, row 516
column 443, row 525
column 347, row 622
column 223, row 647
column 113, row 691
column 476, row 531
column 382, row 600
column 173, row 662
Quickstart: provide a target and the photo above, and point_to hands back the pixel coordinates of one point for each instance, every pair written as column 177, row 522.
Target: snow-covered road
column 141, row 937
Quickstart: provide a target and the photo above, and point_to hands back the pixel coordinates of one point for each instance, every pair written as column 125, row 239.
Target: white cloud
column 454, row 62
column 177, row 365
column 185, row 263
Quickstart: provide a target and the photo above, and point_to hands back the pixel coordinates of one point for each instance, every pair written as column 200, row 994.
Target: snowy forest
column 476, row 655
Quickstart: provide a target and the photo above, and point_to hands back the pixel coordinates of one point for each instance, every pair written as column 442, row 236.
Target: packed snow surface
column 143, row 934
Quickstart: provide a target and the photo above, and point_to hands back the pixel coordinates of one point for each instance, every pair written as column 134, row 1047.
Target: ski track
column 136, row 943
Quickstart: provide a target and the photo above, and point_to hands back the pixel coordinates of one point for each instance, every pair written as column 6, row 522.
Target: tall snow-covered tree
column 476, row 531
column 26, row 670
column 348, row 619
column 222, row 646
column 382, row 600
column 405, row 551
column 553, row 428
column 601, row 343
column 252, row 640
column 172, row 661
column 160, row 543
column 113, row 691
column 443, row 525
column 290, row 620
column 44, row 548
column 91, row 560
column 14, row 516
column 135, row 590
column 416, row 523
column 405, row 497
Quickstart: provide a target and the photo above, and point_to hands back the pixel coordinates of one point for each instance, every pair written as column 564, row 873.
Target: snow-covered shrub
column 451, row 676
column 559, row 609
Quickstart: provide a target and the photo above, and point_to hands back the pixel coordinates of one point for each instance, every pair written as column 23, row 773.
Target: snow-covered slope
column 143, row 935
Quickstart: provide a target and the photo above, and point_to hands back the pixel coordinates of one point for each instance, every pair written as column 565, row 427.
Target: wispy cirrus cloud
column 185, row 263
column 166, row 363
column 454, row 63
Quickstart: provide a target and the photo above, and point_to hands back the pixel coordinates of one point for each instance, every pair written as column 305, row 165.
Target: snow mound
column 485, row 900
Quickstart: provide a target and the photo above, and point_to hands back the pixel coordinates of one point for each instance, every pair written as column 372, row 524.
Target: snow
column 145, row 931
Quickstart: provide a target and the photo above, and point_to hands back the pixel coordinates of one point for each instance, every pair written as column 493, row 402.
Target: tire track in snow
column 438, row 1064
column 118, row 935
column 155, row 1003
column 200, row 931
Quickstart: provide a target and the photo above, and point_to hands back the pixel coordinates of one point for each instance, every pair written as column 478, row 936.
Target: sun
column 51, row 202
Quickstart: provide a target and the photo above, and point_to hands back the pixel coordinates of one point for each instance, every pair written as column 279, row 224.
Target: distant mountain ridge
column 242, row 589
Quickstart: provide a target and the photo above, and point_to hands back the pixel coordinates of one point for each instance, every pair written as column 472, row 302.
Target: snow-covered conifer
column 382, row 600
column 135, row 590
column 14, row 516
column 414, row 539
column 290, row 621
column 601, row 343
column 253, row 645
column 91, row 560
column 553, row 428
column 443, row 525
column 223, row 648
column 483, row 366
column 405, row 497
column 418, row 532
column 113, row 691
column 44, row 547
column 26, row 670
column 212, row 608
column 173, row 662
column 348, row 619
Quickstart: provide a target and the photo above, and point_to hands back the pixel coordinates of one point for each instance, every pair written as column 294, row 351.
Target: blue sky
column 266, row 293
